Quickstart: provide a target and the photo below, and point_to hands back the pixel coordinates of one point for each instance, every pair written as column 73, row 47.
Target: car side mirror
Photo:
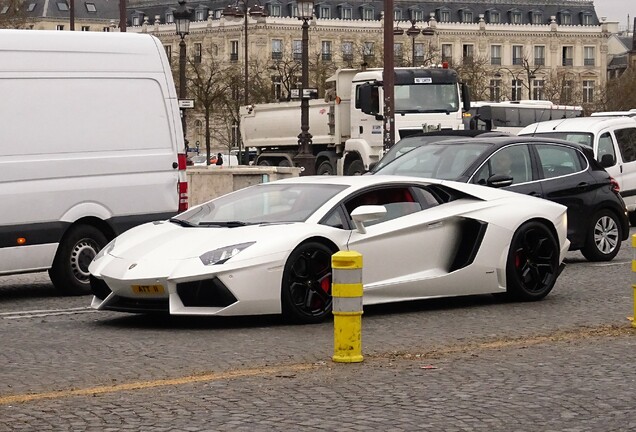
column 366, row 213
column 499, row 181
column 607, row 160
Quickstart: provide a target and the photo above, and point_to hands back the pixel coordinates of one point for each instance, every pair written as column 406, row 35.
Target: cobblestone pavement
column 562, row 364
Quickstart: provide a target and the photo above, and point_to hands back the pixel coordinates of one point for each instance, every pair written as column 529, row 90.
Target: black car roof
column 456, row 132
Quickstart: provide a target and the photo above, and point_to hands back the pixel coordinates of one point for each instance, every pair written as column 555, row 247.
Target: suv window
column 558, row 160
column 626, row 139
column 512, row 160
column 606, row 147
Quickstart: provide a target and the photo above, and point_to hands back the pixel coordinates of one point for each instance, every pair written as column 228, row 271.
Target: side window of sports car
column 398, row 201
column 558, row 161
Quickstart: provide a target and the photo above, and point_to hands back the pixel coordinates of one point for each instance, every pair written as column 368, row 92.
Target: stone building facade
column 524, row 49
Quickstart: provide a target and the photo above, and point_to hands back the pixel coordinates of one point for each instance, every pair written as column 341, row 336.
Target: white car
column 267, row 249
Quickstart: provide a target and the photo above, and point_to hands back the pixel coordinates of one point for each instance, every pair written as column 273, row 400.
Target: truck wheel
column 264, row 162
column 356, row 168
column 325, row 168
column 284, row 163
column 75, row 252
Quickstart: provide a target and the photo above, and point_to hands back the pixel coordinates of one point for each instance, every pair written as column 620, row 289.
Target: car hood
column 169, row 241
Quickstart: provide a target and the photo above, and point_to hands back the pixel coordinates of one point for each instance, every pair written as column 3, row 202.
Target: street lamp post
column 305, row 159
column 531, row 77
column 182, row 23
column 412, row 32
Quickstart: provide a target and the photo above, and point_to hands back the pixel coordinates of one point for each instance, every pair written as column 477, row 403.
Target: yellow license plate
column 148, row 289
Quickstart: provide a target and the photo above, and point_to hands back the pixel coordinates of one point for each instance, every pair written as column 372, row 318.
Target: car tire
column 306, row 285
column 78, row 247
column 604, row 239
column 325, row 168
column 532, row 266
column 355, row 168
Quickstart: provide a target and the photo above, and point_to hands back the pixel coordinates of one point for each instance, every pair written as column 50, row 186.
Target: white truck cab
column 613, row 140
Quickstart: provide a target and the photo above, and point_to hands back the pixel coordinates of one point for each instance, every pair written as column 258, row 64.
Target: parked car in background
column 267, row 249
column 612, row 140
column 407, row 144
column 553, row 169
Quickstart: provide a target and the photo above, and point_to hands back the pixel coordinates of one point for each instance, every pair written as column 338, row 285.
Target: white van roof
column 630, row 113
column 577, row 124
column 66, row 51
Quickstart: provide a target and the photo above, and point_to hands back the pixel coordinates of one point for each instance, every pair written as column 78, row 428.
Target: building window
column 326, row 50
column 274, row 10
column 588, row 56
column 467, row 53
column 218, row 13
column 495, row 90
column 418, row 52
column 347, row 51
column 417, row 15
column 86, row 28
column 200, row 15
column 168, row 49
column 567, row 53
column 444, row 16
column 62, row 6
column 566, row 18
column 447, row 53
column 517, row 86
column 538, row 89
column 277, row 49
column 32, row 7
column 4, row 10
column 539, row 56
column 345, row 13
column 588, row 91
column 367, row 50
column 398, row 53
column 59, row 27
column 566, row 92
column 495, row 54
column 169, row 18
column 494, row 17
column 586, row 19
column 277, row 87
column 297, row 50
column 325, row 12
column 90, row 7
column 105, row 29
column 517, row 54
column 467, row 17
column 397, row 15
column 516, row 18
column 197, row 53
column 234, row 50
column 537, row 18
column 368, row 14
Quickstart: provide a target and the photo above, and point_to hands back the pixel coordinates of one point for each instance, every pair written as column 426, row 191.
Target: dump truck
column 347, row 125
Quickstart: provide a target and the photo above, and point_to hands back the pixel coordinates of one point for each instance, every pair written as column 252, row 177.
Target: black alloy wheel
column 306, row 287
column 533, row 262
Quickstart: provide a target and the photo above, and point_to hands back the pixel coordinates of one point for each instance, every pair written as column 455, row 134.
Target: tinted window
column 558, row 160
column 512, row 161
column 626, row 139
column 606, row 147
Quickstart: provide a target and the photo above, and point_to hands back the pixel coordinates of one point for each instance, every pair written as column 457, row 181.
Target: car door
column 626, row 140
column 515, row 161
column 567, row 181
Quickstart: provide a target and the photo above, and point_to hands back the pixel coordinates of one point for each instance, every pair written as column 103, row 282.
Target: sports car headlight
column 105, row 250
column 221, row 255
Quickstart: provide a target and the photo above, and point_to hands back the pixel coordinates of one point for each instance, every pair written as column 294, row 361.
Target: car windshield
column 264, row 203
column 405, row 145
column 437, row 160
column 582, row 138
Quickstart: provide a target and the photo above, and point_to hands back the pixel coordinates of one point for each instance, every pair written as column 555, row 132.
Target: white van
column 89, row 147
column 613, row 140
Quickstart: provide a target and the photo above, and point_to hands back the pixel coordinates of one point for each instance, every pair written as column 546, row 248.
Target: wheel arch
column 93, row 221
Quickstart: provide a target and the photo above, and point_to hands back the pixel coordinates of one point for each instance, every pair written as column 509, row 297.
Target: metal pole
column 182, row 86
column 388, row 78
column 122, row 15
column 305, row 158
column 245, row 76
column 72, row 13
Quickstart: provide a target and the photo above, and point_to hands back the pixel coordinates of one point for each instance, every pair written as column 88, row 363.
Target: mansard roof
column 575, row 9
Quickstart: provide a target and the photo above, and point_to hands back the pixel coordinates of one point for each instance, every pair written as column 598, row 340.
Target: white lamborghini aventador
column 267, row 249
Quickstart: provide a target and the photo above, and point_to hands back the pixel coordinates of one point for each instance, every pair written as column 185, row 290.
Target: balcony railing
column 495, row 60
column 517, row 61
column 233, row 57
column 277, row 55
column 298, row 56
column 539, row 61
column 567, row 62
column 589, row 62
column 347, row 57
column 326, row 56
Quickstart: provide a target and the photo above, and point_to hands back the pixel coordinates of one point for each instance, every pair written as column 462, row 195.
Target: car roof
column 577, row 124
column 500, row 141
column 456, row 132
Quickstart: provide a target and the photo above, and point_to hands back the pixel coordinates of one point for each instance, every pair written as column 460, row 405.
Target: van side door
column 626, row 141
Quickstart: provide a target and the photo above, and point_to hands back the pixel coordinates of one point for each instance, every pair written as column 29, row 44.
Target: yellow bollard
column 346, row 291
column 633, row 318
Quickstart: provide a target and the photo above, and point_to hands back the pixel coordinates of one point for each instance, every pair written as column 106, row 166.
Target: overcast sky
column 616, row 10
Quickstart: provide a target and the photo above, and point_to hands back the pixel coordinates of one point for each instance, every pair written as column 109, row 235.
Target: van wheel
column 77, row 249
column 604, row 239
column 325, row 168
column 356, row 168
